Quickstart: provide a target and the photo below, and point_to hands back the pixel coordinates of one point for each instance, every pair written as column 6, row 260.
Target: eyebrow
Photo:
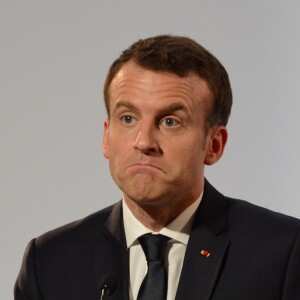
column 125, row 104
column 164, row 111
column 172, row 108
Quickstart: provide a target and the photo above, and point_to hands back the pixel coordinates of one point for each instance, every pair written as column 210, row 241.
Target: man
column 168, row 102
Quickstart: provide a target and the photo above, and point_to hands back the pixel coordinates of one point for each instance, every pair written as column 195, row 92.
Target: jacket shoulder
column 80, row 232
column 261, row 220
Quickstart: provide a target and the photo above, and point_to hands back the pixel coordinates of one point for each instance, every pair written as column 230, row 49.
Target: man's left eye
column 170, row 122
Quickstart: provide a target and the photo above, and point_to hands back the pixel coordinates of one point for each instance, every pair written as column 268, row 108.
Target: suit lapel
column 111, row 255
column 201, row 272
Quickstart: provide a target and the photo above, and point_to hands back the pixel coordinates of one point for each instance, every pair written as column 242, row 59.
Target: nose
column 146, row 140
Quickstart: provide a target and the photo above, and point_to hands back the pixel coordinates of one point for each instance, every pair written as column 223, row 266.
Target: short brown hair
column 181, row 56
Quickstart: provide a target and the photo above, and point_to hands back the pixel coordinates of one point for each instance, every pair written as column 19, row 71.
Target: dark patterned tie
column 155, row 283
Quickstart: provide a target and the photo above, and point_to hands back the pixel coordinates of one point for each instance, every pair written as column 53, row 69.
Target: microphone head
column 108, row 284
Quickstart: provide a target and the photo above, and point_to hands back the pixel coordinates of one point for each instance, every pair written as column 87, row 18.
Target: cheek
column 191, row 156
column 118, row 152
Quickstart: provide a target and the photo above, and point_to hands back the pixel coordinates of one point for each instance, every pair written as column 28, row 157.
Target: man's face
column 155, row 138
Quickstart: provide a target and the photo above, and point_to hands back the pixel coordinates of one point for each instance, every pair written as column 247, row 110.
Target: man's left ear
column 217, row 138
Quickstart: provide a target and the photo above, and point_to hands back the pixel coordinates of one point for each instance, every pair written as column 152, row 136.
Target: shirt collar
column 179, row 229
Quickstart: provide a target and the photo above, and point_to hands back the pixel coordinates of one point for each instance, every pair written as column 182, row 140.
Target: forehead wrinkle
column 148, row 79
column 191, row 88
column 159, row 91
column 116, row 88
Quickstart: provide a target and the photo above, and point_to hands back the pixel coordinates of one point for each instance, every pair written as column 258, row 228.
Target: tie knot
column 153, row 246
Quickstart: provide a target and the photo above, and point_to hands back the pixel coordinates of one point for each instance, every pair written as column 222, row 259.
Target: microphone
column 108, row 286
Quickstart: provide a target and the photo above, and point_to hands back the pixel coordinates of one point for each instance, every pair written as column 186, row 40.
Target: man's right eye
column 127, row 119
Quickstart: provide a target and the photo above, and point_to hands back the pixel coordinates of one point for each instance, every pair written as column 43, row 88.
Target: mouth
column 144, row 167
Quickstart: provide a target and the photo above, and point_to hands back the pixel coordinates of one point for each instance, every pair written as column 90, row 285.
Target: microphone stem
column 102, row 294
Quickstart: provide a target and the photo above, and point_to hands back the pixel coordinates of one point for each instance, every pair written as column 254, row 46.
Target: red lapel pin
column 205, row 253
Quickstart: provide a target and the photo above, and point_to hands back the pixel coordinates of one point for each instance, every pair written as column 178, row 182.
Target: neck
column 156, row 217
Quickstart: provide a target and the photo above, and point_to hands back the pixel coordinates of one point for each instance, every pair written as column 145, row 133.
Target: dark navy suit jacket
column 254, row 255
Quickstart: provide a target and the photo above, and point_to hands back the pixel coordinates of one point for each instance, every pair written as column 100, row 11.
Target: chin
column 147, row 198
column 141, row 198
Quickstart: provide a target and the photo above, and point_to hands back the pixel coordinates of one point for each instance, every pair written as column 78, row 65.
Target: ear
column 217, row 138
column 105, row 139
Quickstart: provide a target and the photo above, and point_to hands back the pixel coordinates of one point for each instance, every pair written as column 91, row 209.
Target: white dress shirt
column 178, row 231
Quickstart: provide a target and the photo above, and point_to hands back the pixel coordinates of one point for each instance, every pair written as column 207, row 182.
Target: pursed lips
column 144, row 166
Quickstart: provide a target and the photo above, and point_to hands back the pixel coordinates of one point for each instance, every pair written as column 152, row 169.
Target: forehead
column 133, row 80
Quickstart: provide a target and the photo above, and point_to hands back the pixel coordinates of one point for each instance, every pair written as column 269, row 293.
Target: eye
column 127, row 119
column 169, row 122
